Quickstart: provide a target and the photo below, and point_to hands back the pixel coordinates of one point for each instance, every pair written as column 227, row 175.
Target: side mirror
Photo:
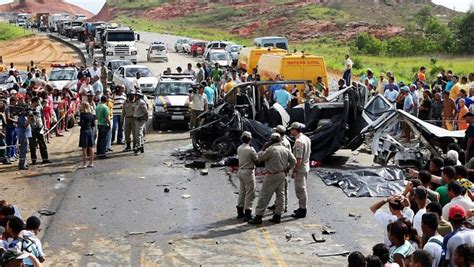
column 138, row 37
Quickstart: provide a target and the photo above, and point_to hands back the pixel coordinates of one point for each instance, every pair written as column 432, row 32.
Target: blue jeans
column 11, row 140
column 23, row 142
column 117, row 129
column 347, row 77
column 109, row 139
column 102, row 140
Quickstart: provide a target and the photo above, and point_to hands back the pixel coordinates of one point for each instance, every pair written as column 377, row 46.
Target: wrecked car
column 331, row 125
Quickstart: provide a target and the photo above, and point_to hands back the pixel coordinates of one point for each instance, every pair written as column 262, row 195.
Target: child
column 31, row 232
column 47, row 117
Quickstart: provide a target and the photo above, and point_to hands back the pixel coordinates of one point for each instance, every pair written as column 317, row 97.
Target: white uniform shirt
column 348, row 64
column 466, row 204
column 434, row 249
column 199, row 101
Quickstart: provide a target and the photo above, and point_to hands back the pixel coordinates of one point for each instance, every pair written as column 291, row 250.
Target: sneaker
column 46, row 161
column 90, row 166
column 23, row 168
column 82, row 167
column 110, row 150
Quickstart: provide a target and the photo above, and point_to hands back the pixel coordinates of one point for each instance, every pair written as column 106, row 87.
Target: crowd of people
column 19, row 242
column 32, row 112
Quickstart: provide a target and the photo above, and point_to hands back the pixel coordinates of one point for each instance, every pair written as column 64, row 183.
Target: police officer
column 302, row 151
column 140, row 117
column 280, row 129
column 127, row 115
column 278, row 161
column 247, row 159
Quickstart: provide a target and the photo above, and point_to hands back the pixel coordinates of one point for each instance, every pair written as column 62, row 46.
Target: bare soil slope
column 44, row 6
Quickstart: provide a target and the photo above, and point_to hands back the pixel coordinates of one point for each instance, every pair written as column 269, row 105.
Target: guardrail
column 75, row 48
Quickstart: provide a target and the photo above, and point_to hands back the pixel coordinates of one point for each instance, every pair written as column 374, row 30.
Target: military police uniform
column 302, row 151
column 247, row 159
column 278, row 160
column 127, row 115
column 286, row 143
column 140, row 116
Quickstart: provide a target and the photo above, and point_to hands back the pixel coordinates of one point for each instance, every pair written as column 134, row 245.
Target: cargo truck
column 249, row 56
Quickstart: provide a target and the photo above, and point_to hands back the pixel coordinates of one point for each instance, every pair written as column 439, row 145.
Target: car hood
column 221, row 62
column 145, row 80
column 172, row 100
column 71, row 84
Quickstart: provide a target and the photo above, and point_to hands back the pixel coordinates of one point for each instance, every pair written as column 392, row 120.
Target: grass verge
column 10, row 32
column 404, row 68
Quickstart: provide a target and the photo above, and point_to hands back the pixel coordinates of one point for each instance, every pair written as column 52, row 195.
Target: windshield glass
column 77, row 23
column 235, row 49
column 120, row 36
column 60, row 75
column 132, row 72
column 219, row 56
column 158, row 48
column 173, row 88
column 118, row 64
column 3, row 77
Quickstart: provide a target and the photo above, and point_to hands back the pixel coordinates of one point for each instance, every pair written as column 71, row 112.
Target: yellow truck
column 249, row 56
column 296, row 66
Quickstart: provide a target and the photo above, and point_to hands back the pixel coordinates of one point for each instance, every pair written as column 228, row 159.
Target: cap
column 296, row 125
column 246, row 134
column 439, row 75
column 421, row 192
column 369, row 70
column 405, row 89
column 469, row 114
column 382, row 74
column 280, row 129
column 465, row 183
column 275, row 137
column 457, row 212
column 413, row 85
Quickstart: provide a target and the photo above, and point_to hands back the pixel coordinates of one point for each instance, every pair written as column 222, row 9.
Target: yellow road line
column 263, row 258
column 273, row 248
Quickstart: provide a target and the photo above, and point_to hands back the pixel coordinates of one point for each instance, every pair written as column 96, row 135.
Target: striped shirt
column 118, row 104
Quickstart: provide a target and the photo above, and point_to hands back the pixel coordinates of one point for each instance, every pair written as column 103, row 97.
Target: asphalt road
column 118, row 213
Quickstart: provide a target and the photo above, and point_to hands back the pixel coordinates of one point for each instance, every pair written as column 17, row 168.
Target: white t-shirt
column 434, row 249
column 466, row 204
column 94, row 72
column 10, row 82
column 417, row 221
column 348, row 64
column 85, row 88
column 391, row 95
column 465, row 236
column 384, row 218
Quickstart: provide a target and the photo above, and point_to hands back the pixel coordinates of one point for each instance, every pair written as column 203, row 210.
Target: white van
column 274, row 41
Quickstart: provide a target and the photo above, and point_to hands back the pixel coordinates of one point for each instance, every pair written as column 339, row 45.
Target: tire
column 156, row 124
column 223, row 146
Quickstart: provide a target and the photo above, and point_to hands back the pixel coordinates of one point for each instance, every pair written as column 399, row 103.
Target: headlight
column 134, row 53
column 159, row 109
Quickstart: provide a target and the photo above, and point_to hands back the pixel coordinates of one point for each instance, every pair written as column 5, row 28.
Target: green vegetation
column 136, row 4
column 10, row 32
column 431, row 36
column 429, row 40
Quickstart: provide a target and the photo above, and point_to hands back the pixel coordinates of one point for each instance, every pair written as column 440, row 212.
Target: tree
column 465, row 34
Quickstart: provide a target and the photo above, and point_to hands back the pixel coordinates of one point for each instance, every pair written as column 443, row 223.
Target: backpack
column 440, row 243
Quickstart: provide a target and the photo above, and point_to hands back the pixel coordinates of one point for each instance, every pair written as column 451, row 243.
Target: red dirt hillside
column 44, row 6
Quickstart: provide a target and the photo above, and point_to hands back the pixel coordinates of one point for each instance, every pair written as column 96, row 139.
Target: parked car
column 234, row 51
column 218, row 56
column 126, row 75
column 179, row 45
column 171, row 104
column 113, row 65
column 197, row 48
column 216, row 45
column 157, row 52
column 271, row 41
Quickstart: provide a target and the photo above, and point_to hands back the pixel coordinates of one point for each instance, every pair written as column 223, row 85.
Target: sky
column 95, row 5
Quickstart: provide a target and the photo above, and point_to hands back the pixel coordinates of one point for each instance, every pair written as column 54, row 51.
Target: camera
column 20, row 110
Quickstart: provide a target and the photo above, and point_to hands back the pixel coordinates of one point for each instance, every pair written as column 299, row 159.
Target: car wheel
column 223, row 146
column 156, row 124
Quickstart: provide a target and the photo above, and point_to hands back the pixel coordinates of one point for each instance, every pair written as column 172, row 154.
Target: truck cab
column 120, row 43
column 271, row 41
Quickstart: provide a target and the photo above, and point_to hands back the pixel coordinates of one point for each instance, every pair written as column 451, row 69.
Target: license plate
column 177, row 118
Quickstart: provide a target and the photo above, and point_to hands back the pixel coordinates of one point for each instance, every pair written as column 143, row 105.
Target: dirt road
column 39, row 48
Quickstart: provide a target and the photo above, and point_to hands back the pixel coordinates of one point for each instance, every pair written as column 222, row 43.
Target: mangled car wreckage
column 342, row 120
